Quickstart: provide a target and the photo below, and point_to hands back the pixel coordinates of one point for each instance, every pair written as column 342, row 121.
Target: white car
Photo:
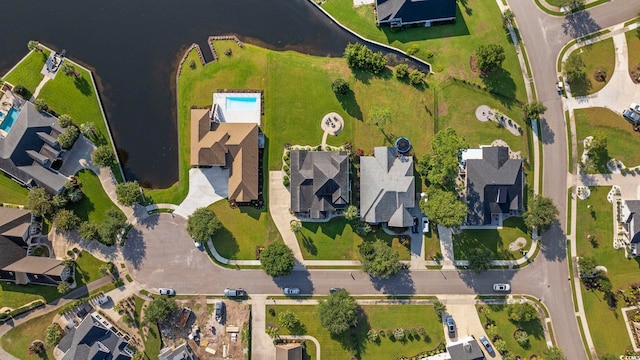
column 103, row 300
column 425, row 224
column 635, row 107
column 166, row 291
column 291, row 291
column 501, row 287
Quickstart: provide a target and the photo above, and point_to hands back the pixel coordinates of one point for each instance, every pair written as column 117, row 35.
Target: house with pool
column 228, row 135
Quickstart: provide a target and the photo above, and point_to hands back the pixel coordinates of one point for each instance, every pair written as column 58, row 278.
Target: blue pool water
column 9, row 120
column 241, row 103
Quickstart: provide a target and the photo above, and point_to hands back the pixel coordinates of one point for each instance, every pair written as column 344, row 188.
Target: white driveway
column 206, row 186
column 463, row 311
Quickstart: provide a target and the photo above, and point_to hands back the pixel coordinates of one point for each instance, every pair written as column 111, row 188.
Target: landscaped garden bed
column 633, row 48
column 599, row 61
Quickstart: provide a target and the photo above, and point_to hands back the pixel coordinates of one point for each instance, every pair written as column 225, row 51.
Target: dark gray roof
column 387, row 188
column 92, row 340
column 415, row 10
column 21, row 154
column 181, row 352
column 12, row 248
column 319, row 181
column 465, row 349
column 494, row 185
column 633, row 220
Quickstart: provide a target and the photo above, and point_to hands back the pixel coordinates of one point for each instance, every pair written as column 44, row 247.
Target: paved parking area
column 467, row 324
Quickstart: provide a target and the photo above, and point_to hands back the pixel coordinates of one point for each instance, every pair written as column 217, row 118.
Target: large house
column 94, row 338
column 465, row 349
column 387, row 188
column 228, row 135
column 180, row 352
column 494, row 185
column 397, row 13
column 289, row 351
column 15, row 263
column 319, row 182
column 29, row 148
column 630, row 215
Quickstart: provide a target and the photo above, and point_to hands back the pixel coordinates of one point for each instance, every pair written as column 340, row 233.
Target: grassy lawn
column 506, row 328
column 381, row 317
column 599, row 55
column 17, row 340
column 12, row 192
column 336, row 240
column 153, row 343
column 431, row 244
column 622, row 272
column 28, row 73
column 244, row 229
column 497, row 241
column 14, row 296
column 87, row 268
column 478, row 22
column 619, row 133
column 95, row 203
column 633, row 47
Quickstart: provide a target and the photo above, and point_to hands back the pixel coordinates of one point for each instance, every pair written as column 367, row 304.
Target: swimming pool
column 9, row 120
column 241, row 103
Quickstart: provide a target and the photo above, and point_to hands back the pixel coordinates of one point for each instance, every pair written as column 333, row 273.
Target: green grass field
column 16, row 341
column 506, row 328
column 497, row 241
column 87, row 268
column 382, row 317
column 28, row 73
column 633, row 47
column 12, row 192
column 431, row 244
column 14, row 296
column 599, row 55
column 478, row 22
column 95, row 203
column 619, row 133
column 336, row 240
column 622, row 272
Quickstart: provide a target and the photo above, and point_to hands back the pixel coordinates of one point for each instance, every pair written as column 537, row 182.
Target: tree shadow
column 135, row 249
column 547, row 136
column 355, row 339
column 400, row 284
column 553, row 245
column 499, row 82
column 350, row 104
column 308, row 244
column 301, row 277
column 581, row 85
column 226, row 243
column 579, row 24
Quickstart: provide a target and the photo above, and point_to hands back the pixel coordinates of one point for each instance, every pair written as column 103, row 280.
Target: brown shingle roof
column 291, row 351
column 37, row 265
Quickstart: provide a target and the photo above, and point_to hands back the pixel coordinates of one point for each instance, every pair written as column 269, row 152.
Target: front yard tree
column 489, row 57
column 533, row 110
column 39, row 202
column 289, row 320
column 446, row 153
column 587, row 266
column 103, row 156
column 574, row 68
column 338, row 312
column 66, row 220
column 444, row 208
column 439, row 308
column 295, row 226
column 541, row 214
column 554, row 353
column 112, row 226
column 480, row 260
column 571, row 4
column 53, row 334
column 277, row 259
column 128, row 193
column 202, row 224
column 521, row 312
column 88, row 231
column 351, row 213
column 159, row 309
column 379, row 259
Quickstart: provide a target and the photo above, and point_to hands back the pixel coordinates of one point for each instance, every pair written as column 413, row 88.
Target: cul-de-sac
column 320, row 179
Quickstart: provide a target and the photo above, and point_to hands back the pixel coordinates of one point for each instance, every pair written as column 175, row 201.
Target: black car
column 334, row 290
column 414, row 228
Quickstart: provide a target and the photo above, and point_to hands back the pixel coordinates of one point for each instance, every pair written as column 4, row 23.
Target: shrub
column 401, row 71
column 416, row 77
column 359, row 56
column 413, row 49
column 192, row 64
column 398, row 333
column 65, row 120
column 428, row 53
column 373, row 336
column 286, row 181
column 41, row 105
column 21, row 90
column 389, row 334
column 68, row 137
column 53, row 334
column 340, row 86
column 521, row 337
column 227, row 51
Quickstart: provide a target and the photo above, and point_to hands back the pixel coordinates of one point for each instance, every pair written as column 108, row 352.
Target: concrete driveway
column 206, row 186
column 467, row 322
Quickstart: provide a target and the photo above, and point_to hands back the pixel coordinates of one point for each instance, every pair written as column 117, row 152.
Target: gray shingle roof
column 387, row 188
column 319, row 181
column 12, row 248
column 181, row 352
column 91, row 340
column 465, row 349
column 415, row 10
column 494, row 185
column 633, row 220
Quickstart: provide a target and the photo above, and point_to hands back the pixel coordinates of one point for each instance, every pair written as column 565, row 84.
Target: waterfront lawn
column 506, row 328
column 497, row 241
column 27, row 73
column 622, row 272
column 244, row 229
column 478, row 22
column 95, row 202
column 336, row 240
column 633, row 47
column 599, row 55
column 380, row 317
column 87, row 268
column 16, row 341
column 619, row 133
column 15, row 296
column 12, row 192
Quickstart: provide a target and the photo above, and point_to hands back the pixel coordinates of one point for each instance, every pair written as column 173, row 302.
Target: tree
column 296, row 226
column 574, row 68
column 69, row 137
column 111, row 226
column 533, row 110
column 75, row 195
column 359, row 56
column 480, row 260
column 522, row 312
column 542, row 212
column 379, row 116
column 598, row 153
column 507, row 18
column 521, row 337
column 41, row 105
column 587, row 266
column 128, row 193
column 103, row 156
column 33, row 45
column 571, row 4
column 277, row 259
column 416, row 77
column 351, row 213
column 444, row 161
column 39, row 202
column 489, row 57
column 379, row 259
column 202, row 224
column 340, row 86
column 53, row 334
column 500, row 345
column 439, row 308
column 22, row 91
column 338, row 312
column 88, row 231
column 65, row 121
column 289, row 320
column 66, row 220
column 105, row 269
column 68, row 69
column 36, row 347
column 401, row 71
column 159, row 309
column 554, row 353
column 63, row 287
column 88, row 129
column 444, row 208
column 59, row 201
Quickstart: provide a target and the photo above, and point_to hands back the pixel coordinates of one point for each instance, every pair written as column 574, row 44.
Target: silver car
column 501, row 287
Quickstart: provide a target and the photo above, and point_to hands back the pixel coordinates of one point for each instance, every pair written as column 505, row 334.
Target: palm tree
column 296, row 226
column 88, row 129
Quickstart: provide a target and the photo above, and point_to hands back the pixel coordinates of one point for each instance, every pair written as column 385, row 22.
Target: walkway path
column 38, row 88
column 261, row 343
